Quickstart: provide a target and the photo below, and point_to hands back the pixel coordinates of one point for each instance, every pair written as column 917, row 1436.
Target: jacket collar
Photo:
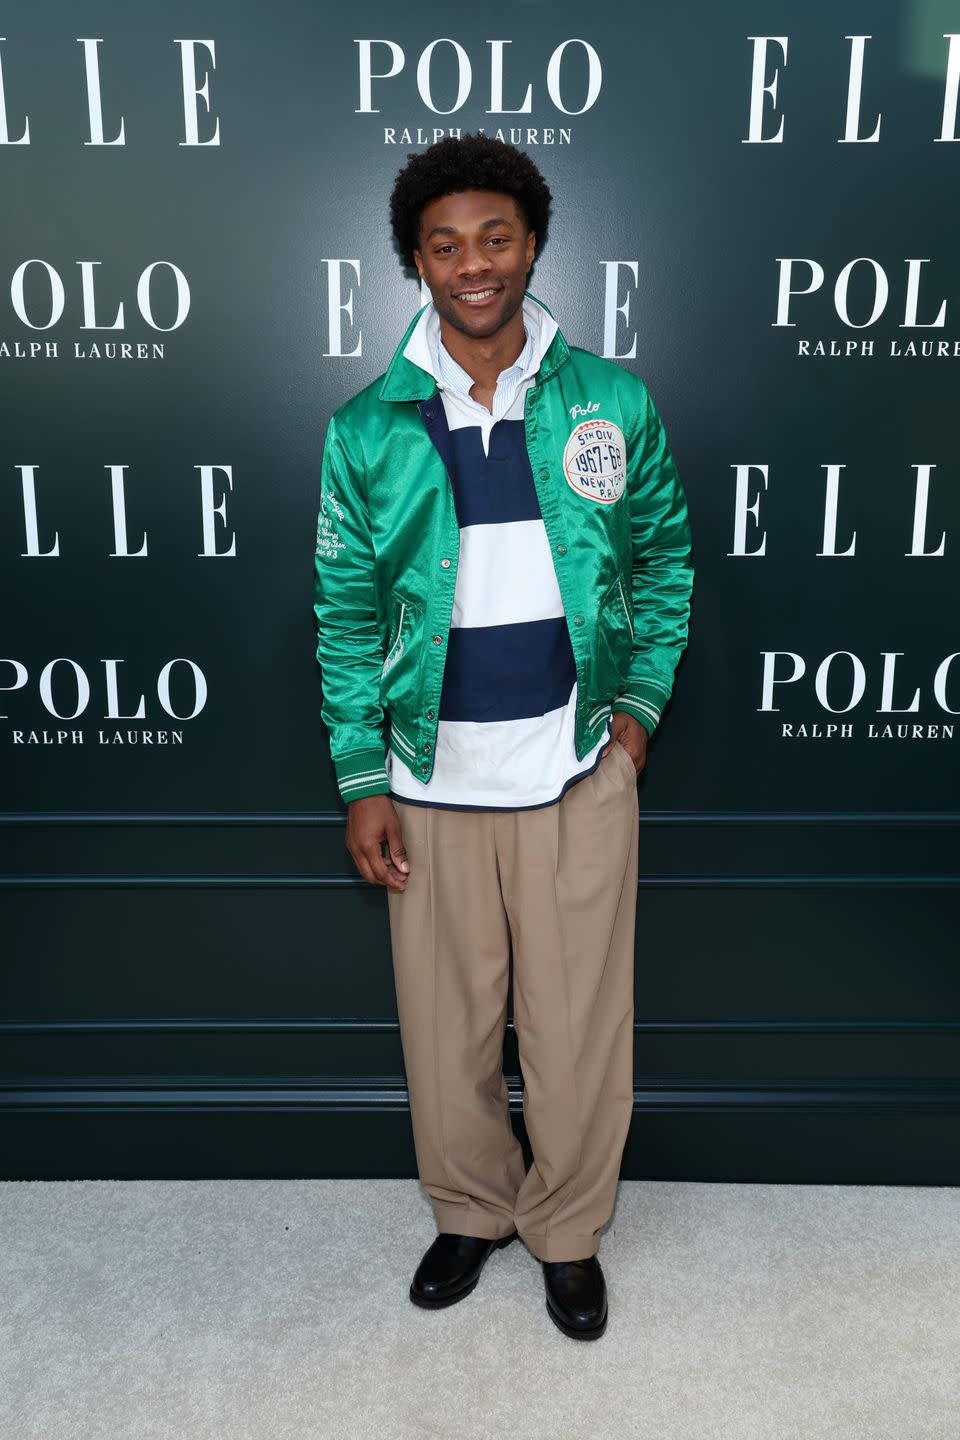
column 405, row 380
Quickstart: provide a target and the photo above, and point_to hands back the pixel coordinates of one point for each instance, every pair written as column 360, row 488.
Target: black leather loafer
column 576, row 1296
column 451, row 1268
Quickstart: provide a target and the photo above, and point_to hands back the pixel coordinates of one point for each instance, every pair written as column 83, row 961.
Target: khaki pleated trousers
column 560, row 882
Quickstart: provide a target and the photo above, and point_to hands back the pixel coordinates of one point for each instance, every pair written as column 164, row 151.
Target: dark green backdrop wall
column 756, row 209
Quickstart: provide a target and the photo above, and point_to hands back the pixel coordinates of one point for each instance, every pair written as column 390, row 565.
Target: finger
column 382, row 874
column 395, row 845
column 401, row 875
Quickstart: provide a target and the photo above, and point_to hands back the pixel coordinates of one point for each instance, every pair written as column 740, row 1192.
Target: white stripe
column 635, row 700
column 463, row 412
column 647, row 709
column 504, row 763
column 402, row 742
column 505, row 575
column 641, row 705
column 363, row 778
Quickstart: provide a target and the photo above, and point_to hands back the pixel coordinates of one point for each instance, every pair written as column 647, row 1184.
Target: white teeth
column 476, row 294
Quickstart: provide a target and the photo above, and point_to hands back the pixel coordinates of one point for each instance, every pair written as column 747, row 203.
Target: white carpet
column 278, row 1310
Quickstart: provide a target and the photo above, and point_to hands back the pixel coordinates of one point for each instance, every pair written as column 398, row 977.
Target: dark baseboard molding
column 834, row 1133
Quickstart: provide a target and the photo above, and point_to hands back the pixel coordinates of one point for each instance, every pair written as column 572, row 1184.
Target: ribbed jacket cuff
column 362, row 773
column 645, row 703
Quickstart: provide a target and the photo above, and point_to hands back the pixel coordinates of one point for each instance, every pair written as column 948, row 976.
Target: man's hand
column 370, row 822
column 631, row 735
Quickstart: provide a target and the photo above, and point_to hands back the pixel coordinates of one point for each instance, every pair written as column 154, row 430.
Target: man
column 502, row 593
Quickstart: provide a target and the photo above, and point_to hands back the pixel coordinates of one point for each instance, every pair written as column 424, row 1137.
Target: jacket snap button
column 430, row 714
column 445, row 564
column 424, row 769
column 561, row 549
column 426, row 749
column 438, row 639
column 544, row 474
column 578, row 619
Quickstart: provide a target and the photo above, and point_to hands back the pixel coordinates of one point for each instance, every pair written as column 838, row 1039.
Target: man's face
column 475, row 244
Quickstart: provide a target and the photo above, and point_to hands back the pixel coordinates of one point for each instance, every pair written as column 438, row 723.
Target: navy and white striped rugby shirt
column 505, row 736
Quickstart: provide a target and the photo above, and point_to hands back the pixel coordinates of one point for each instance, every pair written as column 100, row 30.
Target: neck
column 483, row 358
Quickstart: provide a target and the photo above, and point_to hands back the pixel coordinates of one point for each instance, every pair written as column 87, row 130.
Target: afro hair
column 475, row 162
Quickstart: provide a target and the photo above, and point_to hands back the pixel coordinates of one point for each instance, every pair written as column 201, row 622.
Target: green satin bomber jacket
column 388, row 545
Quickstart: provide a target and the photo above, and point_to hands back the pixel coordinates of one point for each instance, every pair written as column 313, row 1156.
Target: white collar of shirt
column 426, row 349
column 449, row 372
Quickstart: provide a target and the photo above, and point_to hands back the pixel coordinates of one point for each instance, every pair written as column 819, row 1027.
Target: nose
column 474, row 260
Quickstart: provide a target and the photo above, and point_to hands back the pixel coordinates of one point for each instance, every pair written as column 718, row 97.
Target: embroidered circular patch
column 595, row 461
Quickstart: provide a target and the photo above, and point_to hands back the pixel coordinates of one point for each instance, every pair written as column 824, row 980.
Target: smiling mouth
column 478, row 297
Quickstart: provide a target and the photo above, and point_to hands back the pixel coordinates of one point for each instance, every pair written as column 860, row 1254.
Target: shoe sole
column 439, row 1303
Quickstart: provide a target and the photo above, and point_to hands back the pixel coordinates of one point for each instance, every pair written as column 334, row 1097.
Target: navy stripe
column 487, row 489
column 507, row 672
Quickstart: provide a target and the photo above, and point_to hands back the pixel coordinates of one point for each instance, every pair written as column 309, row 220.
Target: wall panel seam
column 385, row 1095
column 895, row 879
column 338, row 817
column 349, row 1025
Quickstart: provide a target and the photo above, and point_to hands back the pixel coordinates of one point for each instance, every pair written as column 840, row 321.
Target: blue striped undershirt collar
column 451, row 374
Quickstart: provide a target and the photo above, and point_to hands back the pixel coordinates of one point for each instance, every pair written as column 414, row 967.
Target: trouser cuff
column 465, row 1220
column 561, row 1247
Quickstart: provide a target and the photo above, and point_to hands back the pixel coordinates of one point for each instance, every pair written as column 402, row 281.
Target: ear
column 531, row 247
column 418, row 261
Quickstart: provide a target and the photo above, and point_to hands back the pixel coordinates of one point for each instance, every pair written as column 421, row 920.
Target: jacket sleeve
column 662, row 577
column 349, row 648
